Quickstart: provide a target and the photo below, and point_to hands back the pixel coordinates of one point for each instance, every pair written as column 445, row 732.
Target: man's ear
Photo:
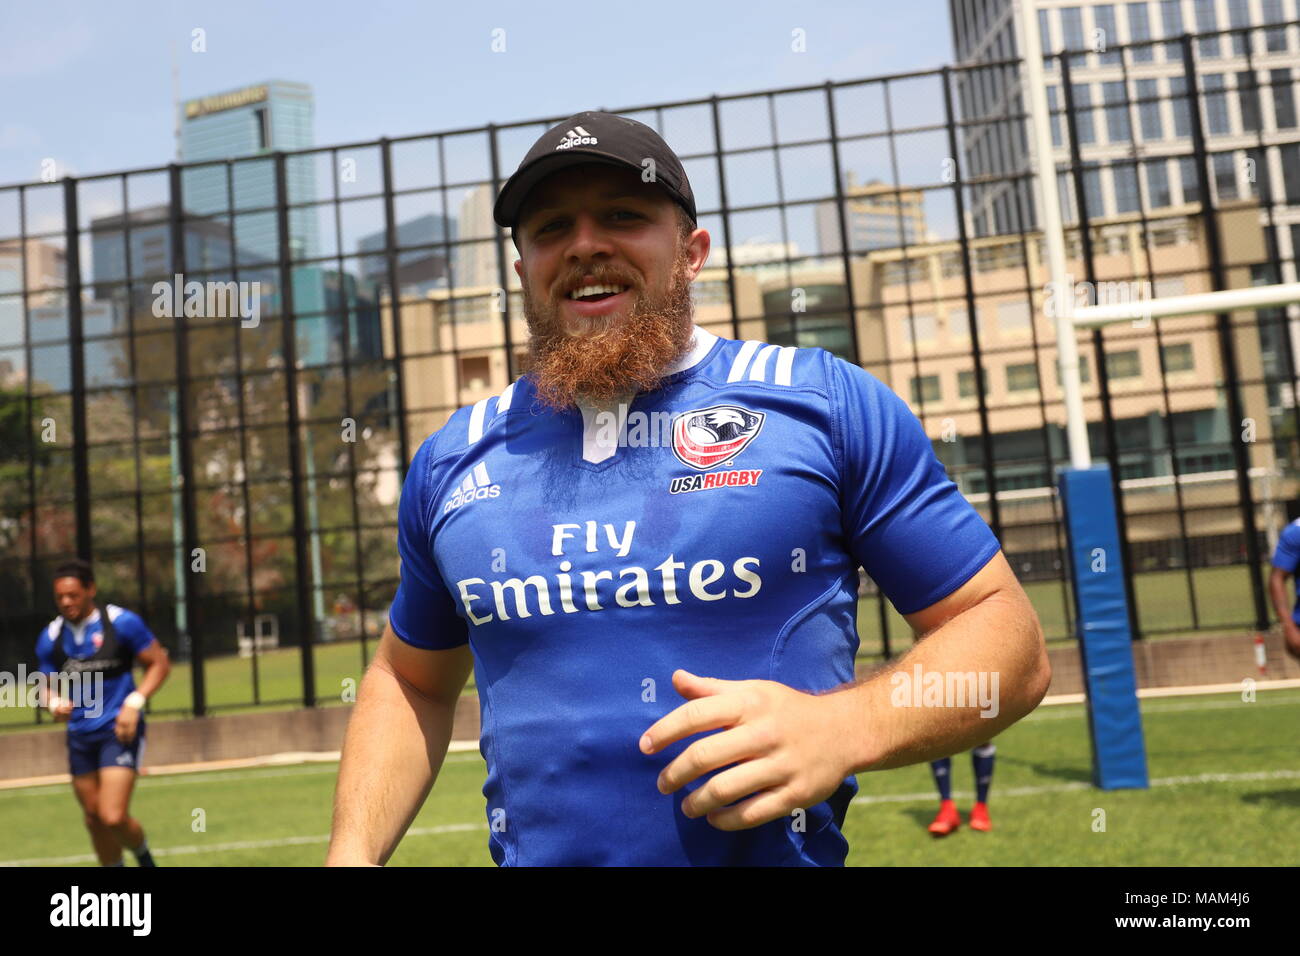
column 519, row 269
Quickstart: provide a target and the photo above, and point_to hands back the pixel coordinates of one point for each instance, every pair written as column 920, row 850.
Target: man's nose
column 588, row 239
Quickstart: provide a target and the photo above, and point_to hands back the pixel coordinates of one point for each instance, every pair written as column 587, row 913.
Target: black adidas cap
column 594, row 137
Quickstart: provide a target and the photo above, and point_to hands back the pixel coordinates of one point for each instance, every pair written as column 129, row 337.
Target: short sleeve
column 131, row 629
column 45, row 652
column 905, row 520
column 1287, row 554
column 423, row 612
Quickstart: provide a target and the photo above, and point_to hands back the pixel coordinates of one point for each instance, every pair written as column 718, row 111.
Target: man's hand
column 60, row 709
column 791, row 749
column 128, row 722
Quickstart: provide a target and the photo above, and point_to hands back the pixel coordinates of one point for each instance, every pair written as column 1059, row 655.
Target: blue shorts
column 101, row 748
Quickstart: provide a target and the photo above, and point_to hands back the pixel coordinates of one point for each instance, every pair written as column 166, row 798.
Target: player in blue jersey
column 1286, row 559
column 647, row 550
column 88, row 655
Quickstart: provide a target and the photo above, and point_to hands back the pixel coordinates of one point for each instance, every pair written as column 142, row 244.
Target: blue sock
column 942, row 770
column 142, row 854
column 982, row 761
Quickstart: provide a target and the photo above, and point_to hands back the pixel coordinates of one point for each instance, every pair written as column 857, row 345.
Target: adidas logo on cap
column 577, row 137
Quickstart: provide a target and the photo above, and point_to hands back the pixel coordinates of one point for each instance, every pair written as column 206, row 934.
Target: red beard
column 620, row 354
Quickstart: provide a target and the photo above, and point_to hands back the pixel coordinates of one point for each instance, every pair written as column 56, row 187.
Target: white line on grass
column 926, row 797
column 150, row 782
column 242, row 845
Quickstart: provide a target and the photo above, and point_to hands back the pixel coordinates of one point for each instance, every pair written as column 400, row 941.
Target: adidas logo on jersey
column 577, row 137
column 476, row 487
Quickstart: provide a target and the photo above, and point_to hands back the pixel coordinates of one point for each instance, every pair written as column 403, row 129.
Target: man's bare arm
column 396, row 740
column 1280, row 592
column 988, row 625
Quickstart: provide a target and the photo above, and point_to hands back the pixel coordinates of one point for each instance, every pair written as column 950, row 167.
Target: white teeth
column 596, row 290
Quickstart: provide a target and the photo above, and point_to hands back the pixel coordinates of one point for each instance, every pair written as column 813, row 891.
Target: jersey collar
column 79, row 630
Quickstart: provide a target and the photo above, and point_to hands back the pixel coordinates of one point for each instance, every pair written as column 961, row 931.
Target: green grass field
column 1225, row 775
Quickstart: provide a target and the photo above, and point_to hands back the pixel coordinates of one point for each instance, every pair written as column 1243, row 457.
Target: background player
column 95, row 651
column 1286, row 557
column 948, row 819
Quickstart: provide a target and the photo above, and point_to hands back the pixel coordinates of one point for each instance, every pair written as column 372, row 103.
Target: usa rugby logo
column 706, row 437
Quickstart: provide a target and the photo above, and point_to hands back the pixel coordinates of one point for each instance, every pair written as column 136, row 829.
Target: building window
column 966, row 384
column 474, row 372
column 1275, row 40
column 1072, row 33
column 1283, row 98
column 1117, row 125
column 921, row 328
column 1207, row 22
column 1290, row 155
column 1013, row 316
column 925, row 388
column 1171, row 20
column 1022, row 378
column 1190, row 178
column 1123, row 364
column 1239, row 16
column 1082, row 94
column 1178, row 101
column 1158, row 193
column 1178, row 357
column 1085, row 371
column 1216, row 104
column 1225, row 175
column 1248, row 99
column 1103, row 18
column 1139, row 28
column 1148, row 93
column 1052, row 112
column 1126, row 188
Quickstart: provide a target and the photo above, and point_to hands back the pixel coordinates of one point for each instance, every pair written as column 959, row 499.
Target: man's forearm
column 395, row 744
column 1277, row 590
column 964, row 683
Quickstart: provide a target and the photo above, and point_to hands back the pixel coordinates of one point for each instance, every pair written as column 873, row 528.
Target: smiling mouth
column 596, row 293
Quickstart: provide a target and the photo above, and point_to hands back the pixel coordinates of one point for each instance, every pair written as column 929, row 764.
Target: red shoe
column 947, row 820
column 979, row 817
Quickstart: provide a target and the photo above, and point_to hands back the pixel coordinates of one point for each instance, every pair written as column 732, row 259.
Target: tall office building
column 250, row 122
column 247, row 123
column 1136, row 107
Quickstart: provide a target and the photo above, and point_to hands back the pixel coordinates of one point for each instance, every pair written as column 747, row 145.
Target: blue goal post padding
column 1105, row 641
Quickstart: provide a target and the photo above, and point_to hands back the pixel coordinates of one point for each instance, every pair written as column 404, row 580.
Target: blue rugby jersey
column 1287, row 557
column 80, row 643
column 723, row 536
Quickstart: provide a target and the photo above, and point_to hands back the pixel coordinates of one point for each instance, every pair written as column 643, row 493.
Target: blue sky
column 89, row 83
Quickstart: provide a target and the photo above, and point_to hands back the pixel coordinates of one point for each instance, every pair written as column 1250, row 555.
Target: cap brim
column 516, row 190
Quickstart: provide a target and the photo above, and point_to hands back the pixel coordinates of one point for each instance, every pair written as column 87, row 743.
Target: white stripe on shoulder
column 476, row 420
column 760, row 364
column 742, row 361
column 114, row 612
column 503, row 402
column 784, row 363
column 53, row 628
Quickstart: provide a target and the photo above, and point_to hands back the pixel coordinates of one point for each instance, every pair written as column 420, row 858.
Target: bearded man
column 661, row 621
